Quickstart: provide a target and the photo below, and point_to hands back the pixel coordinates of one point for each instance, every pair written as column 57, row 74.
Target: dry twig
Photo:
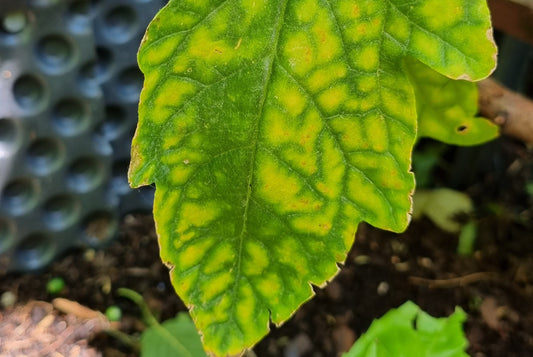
column 454, row 282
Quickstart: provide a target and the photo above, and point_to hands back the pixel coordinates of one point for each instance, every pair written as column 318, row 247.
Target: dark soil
column 494, row 285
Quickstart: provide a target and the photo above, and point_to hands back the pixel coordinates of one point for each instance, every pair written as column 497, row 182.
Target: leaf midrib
column 255, row 138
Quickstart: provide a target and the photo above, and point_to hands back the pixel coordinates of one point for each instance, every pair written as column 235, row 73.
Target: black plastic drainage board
column 69, row 87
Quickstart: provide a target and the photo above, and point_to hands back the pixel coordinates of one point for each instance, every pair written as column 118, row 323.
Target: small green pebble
column 113, row 313
column 55, row 286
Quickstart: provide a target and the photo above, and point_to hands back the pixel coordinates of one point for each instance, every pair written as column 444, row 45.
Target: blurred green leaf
column 176, row 337
column 425, row 160
column 467, row 238
column 529, row 188
column 442, row 206
column 410, row 332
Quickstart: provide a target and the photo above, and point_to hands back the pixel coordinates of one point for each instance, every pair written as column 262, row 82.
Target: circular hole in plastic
column 55, row 52
column 35, row 251
column 29, row 92
column 120, row 24
column 97, row 71
column 13, row 22
column 45, row 155
column 130, row 83
column 70, row 116
column 101, row 145
column 43, row 3
column 85, row 174
column 79, row 8
column 79, row 14
column 104, row 60
column 7, row 234
column 99, row 228
column 61, row 211
column 115, row 123
column 9, row 137
column 119, row 177
column 20, row 196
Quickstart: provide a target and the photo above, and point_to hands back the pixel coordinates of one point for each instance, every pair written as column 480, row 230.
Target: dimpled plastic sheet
column 119, row 26
column 69, row 90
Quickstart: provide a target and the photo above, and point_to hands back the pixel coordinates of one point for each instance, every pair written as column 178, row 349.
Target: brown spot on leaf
column 462, row 129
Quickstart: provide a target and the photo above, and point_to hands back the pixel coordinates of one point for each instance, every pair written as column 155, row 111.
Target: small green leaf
column 271, row 128
column 408, row 331
column 175, row 337
column 446, row 108
column 467, row 238
column 425, row 160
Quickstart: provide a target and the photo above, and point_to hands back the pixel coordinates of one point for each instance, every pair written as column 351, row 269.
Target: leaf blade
column 442, row 39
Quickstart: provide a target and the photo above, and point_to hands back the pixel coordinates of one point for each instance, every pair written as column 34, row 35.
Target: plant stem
column 507, row 109
column 152, row 322
column 124, row 338
column 137, row 298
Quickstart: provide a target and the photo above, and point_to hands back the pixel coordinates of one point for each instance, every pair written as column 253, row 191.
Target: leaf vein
column 336, row 139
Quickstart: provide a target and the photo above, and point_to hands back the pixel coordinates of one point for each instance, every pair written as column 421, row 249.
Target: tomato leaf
column 271, row 128
column 446, row 108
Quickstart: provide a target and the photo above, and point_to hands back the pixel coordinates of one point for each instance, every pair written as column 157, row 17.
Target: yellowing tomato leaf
column 271, row 128
column 446, row 108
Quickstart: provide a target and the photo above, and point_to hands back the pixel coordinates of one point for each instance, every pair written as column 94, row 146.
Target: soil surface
column 494, row 284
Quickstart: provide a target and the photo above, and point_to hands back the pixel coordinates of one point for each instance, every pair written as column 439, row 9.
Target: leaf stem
column 137, row 298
